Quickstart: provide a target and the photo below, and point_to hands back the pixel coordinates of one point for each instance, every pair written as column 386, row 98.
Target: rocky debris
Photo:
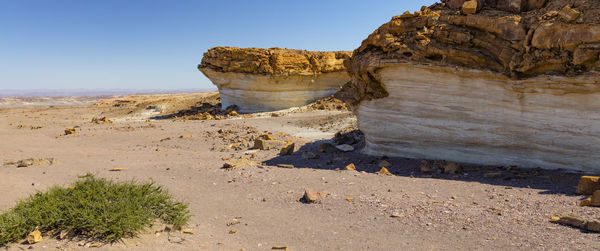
column 345, row 148
column 288, row 149
column 117, row 169
column 469, row 7
column 595, row 199
column 208, row 108
column 265, row 144
column 241, row 162
column 310, row 155
column 588, row 185
column 260, row 80
column 568, row 14
column 350, row 167
column 313, row 196
column 348, row 137
column 102, row 120
column 32, row 162
column 327, row 148
column 330, row 103
column 34, row 237
column 384, row 163
column 439, row 166
column 70, row 130
column 289, row 166
column 384, row 171
column 578, row 222
column 285, row 248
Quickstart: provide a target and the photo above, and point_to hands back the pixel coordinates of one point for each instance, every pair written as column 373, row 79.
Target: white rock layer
column 262, row 93
column 479, row 117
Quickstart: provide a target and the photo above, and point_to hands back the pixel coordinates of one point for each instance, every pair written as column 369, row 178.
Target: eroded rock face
column 258, row 80
column 507, row 85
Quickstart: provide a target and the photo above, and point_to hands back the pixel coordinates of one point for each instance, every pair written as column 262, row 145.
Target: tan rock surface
column 499, row 87
column 260, row 80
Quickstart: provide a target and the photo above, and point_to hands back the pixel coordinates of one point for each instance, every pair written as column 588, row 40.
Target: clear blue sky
column 134, row 44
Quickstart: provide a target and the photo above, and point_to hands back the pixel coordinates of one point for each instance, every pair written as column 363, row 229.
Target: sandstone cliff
column 259, row 80
column 516, row 38
column 501, row 82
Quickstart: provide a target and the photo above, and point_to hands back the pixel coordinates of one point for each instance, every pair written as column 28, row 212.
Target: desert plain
column 256, row 205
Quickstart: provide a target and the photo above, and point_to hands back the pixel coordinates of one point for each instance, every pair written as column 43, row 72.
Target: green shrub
column 93, row 208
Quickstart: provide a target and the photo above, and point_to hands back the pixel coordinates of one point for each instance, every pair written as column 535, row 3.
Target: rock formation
column 259, row 80
column 492, row 82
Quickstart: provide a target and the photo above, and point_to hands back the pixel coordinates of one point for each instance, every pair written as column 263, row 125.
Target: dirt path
column 408, row 210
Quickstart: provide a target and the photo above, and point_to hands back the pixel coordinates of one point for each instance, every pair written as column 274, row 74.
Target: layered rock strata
column 258, row 80
column 502, row 86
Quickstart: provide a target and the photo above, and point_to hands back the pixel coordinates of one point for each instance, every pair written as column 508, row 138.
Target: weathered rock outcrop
column 516, row 83
column 259, row 80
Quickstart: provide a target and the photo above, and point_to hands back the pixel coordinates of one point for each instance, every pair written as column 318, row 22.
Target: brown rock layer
column 517, row 38
column 273, row 61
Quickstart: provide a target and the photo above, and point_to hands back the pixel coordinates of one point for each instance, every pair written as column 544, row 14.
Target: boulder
column 588, row 185
column 491, row 88
column 259, row 80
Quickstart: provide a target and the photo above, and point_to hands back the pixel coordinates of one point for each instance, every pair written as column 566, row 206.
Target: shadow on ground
column 549, row 181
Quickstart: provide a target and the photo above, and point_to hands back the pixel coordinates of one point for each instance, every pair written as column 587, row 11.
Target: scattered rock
column 588, row 185
column 349, row 199
column 185, row 136
column 384, row 171
column 285, row 165
column 493, row 175
column 280, row 248
column 397, row 215
column 451, row 167
column 33, row 162
column 327, row 148
column 469, row 7
column 310, row 155
column 34, row 237
column 345, row 148
column 158, row 149
column 233, row 231
column 70, row 130
column 175, row 239
column 312, row 196
column 116, row 169
column 189, row 231
column 427, row 167
column 578, row 222
column 239, row 163
column 595, row 199
column 350, row 167
column 103, row 120
column 288, row 149
column 586, row 203
column 265, row 144
column 568, row 14
column 385, row 164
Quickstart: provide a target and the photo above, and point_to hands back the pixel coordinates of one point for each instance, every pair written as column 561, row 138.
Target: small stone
column 397, row 215
column 492, row 175
column 350, row 167
column 310, row 155
column 288, row 149
column 345, row 148
column 285, row 165
column 70, row 130
column 427, row 167
column 568, row 14
column 349, row 199
column 94, row 245
column 593, row 226
column 384, row 171
column 469, row 7
column 451, row 167
column 102, row 120
column 239, row 163
column 280, row 248
column 185, row 136
column 384, row 163
column 266, row 144
column 34, row 237
column 595, row 199
column 327, row 148
column 233, row 231
column 116, row 169
column 312, row 196
column 572, row 220
column 586, row 203
column 588, row 185
column 266, row 137
column 188, row 231
column 175, row 239
column 159, row 149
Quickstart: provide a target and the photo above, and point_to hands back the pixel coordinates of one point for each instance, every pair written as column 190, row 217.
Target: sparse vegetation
column 93, row 208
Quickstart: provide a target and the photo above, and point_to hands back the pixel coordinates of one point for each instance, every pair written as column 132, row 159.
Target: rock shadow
column 549, row 181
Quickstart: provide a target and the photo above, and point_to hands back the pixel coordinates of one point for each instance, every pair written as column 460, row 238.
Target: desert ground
column 256, row 206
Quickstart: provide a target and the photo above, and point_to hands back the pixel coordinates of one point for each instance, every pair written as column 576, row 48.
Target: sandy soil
column 408, row 210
